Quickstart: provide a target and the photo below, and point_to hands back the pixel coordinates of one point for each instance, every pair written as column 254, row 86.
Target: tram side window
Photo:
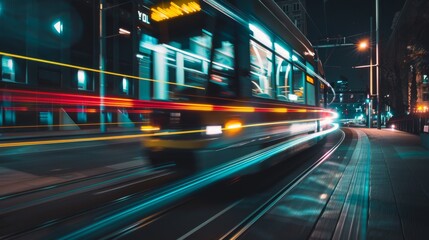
column 222, row 72
column 188, row 63
column 283, row 77
column 297, row 85
column 261, row 69
column 222, row 82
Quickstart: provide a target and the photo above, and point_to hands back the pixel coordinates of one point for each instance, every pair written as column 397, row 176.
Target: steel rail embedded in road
column 49, row 224
column 73, row 181
column 240, row 228
column 178, row 191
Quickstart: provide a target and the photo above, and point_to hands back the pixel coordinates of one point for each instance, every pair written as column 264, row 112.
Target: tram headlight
column 233, row 126
column 214, row 130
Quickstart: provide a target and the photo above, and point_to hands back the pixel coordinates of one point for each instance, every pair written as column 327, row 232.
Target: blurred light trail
column 74, row 140
column 108, row 138
column 61, row 125
column 187, row 186
column 91, row 69
column 24, row 96
column 282, row 122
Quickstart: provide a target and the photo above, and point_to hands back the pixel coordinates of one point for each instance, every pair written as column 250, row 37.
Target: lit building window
column 125, row 86
column 8, row 69
column 81, row 80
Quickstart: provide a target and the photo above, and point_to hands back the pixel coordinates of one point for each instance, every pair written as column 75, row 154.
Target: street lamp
column 376, row 65
column 363, row 45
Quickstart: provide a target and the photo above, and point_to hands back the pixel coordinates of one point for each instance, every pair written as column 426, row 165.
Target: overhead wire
column 311, row 19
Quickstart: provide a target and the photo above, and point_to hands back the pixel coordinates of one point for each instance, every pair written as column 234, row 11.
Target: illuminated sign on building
column 174, row 9
column 143, row 17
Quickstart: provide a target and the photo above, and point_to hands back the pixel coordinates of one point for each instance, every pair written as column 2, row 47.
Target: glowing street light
column 363, row 45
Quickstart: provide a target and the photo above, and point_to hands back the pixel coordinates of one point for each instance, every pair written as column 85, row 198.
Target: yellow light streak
column 280, row 110
column 198, row 107
column 237, row 109
column 233, row 124
column 281, row 122
column 92, row 69
column 109, row 138
column 61, row 125
column 149, row 128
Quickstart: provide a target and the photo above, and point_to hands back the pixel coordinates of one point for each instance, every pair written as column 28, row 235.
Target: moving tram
column 247, row 78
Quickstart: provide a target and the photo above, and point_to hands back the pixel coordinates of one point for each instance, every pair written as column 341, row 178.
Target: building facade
column 349, row 104
column 55, row 48
column 405, row 67
column 85, row 65
column 422, row 103
column 295, row 10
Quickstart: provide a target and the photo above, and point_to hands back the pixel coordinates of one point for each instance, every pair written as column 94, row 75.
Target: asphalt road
column 106, row 193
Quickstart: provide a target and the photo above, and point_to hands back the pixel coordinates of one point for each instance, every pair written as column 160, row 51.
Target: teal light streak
column 174, row 192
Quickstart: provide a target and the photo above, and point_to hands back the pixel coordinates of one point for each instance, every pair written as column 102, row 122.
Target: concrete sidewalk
column 399, row 186
column 374, row 186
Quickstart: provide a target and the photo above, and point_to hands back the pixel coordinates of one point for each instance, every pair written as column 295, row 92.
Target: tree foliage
column 408, row 46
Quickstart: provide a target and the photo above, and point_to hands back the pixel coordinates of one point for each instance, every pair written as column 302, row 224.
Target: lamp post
column 363, row 45
column 377, row 63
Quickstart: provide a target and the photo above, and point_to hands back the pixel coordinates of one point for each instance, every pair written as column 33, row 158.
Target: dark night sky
column 350, row 19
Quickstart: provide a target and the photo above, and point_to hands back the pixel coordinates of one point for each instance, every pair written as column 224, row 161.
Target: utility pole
column 377, row 39
column 371, row 80
column 101, row 62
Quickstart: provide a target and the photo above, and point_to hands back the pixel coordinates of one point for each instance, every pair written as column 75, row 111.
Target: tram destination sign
column 174, row 9
column 177, row 20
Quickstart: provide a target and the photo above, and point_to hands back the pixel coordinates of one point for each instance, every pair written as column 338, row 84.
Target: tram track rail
column 240, row 228
column 247, row 221
column 112, row 187
column 75, row 181
column 137, row 207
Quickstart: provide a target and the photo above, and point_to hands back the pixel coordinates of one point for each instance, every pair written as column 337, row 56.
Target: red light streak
column 33, row 97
